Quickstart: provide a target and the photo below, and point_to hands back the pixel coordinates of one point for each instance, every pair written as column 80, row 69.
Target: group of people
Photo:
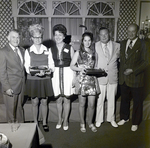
column 61, row 72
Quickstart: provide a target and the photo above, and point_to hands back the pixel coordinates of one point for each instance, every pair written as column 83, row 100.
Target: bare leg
column 91, row 107
column 82, row 101
column 59, row 109
column 66, row 110
column 35, row 103
column 44, row 110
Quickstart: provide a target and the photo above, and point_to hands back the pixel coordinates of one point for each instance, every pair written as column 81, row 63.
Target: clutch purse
column 37, row 69
column 96, row 72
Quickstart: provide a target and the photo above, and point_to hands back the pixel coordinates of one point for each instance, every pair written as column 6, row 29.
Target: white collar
column 13, row 48
column 42, row 49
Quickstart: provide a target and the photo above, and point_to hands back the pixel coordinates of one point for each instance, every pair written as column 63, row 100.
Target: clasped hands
column 43, row 73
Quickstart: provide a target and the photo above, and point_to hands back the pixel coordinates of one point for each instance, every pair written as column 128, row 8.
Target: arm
column 3, row 75
column 72, row 52
column 141, row 65
column 73, row 64
column 144, row 61
column 50, row 61
column 27, row 61
column 96, row 60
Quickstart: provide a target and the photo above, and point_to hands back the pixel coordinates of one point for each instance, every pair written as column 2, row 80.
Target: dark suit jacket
column 137, row 60
column 11, row 70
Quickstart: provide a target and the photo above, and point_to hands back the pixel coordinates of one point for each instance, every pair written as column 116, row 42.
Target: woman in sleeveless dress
column 38, row 85
column 62, row 77
column 85, row 86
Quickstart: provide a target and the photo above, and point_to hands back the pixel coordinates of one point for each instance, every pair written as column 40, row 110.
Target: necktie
column 16, row 52
column 129, row 49
column 107, row 52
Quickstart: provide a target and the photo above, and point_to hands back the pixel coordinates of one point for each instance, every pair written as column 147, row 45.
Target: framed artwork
column 144, row 14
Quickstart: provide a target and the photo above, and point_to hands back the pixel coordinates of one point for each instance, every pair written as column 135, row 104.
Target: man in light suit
column 108, row 54
column 133, row 61
column 12, row 77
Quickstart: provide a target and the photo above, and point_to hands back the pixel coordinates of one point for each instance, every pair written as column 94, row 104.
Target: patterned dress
column 86, row 85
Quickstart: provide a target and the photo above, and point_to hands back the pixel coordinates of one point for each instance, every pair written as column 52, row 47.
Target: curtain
column 72, row 25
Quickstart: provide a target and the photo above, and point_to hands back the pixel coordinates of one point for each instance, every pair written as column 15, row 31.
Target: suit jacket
column 11, row 70
column 137, row 61
column 109, row 66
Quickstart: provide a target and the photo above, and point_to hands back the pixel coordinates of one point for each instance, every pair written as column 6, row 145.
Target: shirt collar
column 103, row 45
column 42, row 49
column 133, row 41
column 13, row 48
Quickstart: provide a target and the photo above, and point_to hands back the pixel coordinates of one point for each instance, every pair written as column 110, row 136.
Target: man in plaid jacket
column 133, row 61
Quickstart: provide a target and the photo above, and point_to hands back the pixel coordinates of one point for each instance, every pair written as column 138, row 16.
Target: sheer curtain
column 72, row 25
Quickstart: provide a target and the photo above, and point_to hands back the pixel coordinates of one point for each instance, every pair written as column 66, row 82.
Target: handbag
column 96, row 72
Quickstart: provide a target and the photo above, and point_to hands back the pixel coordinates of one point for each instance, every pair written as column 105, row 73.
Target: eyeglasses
column 37, row 37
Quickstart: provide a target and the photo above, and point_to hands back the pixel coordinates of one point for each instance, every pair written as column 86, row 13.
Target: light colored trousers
column 108, row 90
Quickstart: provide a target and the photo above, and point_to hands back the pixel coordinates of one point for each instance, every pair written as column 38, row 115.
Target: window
column 66, row 8
column 32, row 7
column 100, row 8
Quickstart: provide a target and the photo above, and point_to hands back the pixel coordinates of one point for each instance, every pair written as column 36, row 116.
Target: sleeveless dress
column 63, row 75
column 86, row 85
column 40, row 87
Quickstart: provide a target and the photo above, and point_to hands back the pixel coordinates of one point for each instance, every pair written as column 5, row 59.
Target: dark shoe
column 46, row 128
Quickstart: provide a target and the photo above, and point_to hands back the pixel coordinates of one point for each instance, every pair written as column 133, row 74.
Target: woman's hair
column 61, row 28
column 36, row 28
column 92, row 47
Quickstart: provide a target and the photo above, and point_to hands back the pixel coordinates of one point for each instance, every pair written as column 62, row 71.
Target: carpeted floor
column 105, row 137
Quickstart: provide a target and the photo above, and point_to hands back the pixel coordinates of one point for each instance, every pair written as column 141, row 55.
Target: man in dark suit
column 133, row 61
column 12, row 77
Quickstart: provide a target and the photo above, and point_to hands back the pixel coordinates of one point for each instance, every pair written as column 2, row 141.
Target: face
column 59, row 37
column 14, row 38
column 104, row 36
column 87, row 42
column 37, row 38
column 132, row 32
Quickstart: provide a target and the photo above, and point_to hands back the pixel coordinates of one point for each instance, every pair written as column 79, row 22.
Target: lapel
column 113, row 50
column 13, row 55
column 133, row 51
column 123, row 50
column 22, row 53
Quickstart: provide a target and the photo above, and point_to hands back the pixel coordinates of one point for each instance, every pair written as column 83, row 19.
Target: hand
column 128, row 72
column 9, row 92
column 42, row 73
column 83, row 71
column 49, row 72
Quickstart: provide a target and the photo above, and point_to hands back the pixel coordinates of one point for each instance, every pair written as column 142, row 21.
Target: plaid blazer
column 137, row 61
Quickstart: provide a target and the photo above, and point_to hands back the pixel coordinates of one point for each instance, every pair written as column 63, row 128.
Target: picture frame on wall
column 144, row 19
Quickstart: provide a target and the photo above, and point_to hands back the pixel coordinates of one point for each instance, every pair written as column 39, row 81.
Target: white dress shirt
column 109, row 46
column 42, row 49
column 128, row 42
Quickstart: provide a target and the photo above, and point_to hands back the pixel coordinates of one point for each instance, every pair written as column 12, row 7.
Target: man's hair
column 14, row 30
column 137, row 26
column 103, row 28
